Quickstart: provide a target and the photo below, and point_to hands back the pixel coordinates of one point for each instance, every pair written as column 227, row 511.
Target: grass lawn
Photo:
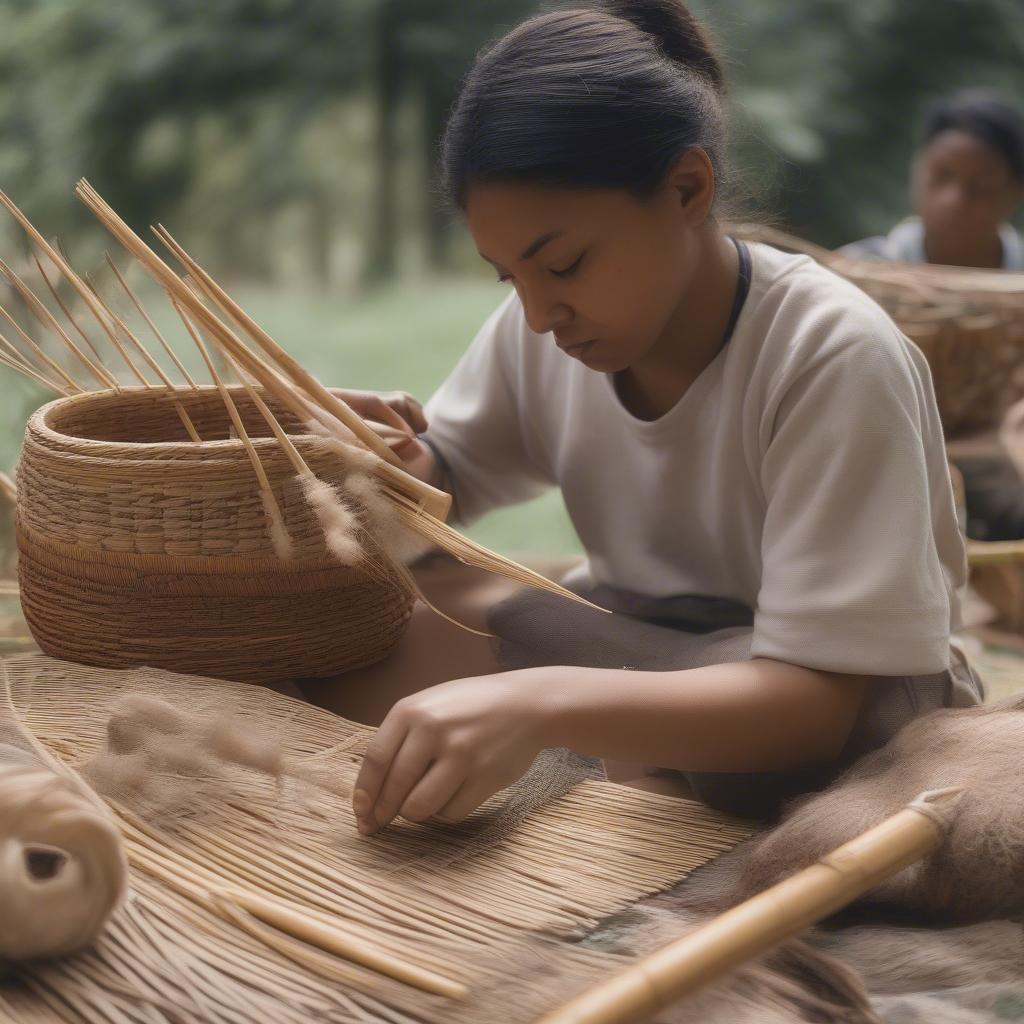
column 405, row 337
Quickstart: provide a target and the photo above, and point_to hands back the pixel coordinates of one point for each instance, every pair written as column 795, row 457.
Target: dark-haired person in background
column 742, row 440
column 967, row 182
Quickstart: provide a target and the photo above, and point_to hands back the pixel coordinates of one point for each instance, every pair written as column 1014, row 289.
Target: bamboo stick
column 152, row 326
column 186, row 420
column 64, row 309
column 273, row 509
column 47, row 319
column 436, row 501
column 64, row 267
column 19, row 364
column 678, row 969
column 334, row 940
column 991, row 552
column 38, row 352
column 292, row 369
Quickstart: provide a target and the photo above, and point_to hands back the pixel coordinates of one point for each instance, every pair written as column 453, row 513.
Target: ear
column 691, row 180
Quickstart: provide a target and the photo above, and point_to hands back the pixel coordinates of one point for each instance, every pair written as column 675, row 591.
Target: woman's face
column 600, row 269
column 963, row 189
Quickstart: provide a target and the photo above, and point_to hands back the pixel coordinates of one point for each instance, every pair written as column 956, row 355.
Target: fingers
column 380, row 752
column 397, row 409
column 384, row 411
column 466, row 799
column 434, row 791
column 410, row 409
column 408, row 768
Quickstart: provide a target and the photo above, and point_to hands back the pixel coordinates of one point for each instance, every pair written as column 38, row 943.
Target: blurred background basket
column 140, row 547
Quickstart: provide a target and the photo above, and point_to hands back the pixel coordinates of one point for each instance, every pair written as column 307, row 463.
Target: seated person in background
column 967, row 181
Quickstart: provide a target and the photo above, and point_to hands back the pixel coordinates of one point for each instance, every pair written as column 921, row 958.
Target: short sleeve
column 479, row 422
column 852, row 579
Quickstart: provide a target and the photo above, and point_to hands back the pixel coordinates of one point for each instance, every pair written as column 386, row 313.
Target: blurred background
column 290, row 145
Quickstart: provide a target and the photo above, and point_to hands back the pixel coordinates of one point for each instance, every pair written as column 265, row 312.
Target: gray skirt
column 535, row 628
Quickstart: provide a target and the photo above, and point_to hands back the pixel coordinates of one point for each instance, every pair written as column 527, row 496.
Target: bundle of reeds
column 249, row 530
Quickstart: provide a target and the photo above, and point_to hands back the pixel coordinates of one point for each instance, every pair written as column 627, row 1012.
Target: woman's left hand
column 444, row 751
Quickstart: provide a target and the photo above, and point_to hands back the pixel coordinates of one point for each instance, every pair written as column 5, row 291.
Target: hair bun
column 681, row 37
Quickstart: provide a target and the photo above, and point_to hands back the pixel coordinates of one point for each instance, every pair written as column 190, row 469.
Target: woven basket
column 975, row 352
column 140, row 547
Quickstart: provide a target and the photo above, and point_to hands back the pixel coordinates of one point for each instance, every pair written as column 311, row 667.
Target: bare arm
column 758, row 715
column 444, row 751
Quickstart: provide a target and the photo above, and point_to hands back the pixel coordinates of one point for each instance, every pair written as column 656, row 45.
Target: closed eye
column 571, row 269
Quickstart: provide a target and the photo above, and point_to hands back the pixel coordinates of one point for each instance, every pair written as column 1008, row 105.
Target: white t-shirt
column 803, row 472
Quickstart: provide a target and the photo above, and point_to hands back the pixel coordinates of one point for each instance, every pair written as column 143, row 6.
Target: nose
column 952, row 198
column 543, row 313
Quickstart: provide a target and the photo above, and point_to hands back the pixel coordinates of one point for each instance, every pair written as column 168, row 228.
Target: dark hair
column 986, row 117
column 603, row 96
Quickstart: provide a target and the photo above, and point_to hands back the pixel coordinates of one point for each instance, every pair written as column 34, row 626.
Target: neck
column 692, row 337
column 965, row 252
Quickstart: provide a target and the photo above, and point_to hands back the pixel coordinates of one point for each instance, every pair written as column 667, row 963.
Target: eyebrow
column 538, row 243
column 534, row 247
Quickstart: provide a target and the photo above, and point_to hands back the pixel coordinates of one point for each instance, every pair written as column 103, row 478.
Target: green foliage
column 299, row 136
column 834, row 94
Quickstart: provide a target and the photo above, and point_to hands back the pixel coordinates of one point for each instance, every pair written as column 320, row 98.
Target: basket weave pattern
column 138, row 546
column 976, row 357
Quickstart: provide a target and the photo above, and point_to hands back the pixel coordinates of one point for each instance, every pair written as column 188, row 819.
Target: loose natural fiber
column 968, row 323
column 411, row 925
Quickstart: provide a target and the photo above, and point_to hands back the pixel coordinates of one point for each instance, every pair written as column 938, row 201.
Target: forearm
column 759, row 715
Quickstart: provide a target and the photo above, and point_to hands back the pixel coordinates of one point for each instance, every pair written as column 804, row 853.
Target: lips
column 574, row 348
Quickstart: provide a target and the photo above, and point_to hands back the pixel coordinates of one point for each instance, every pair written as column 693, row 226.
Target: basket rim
column 39, row 425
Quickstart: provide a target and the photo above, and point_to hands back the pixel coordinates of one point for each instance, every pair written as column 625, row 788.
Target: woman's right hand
column 398, row 418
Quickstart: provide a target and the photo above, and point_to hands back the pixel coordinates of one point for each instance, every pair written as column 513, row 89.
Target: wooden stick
column 16, row 361
column 152, row 326
column 49, row 320
column 291, row 368
column 39, row 353
column 298, row 462
column 64, row 267
column 333, row 940
column 436, row 501
column 776, row 914
column 271, row 505
column 119, row 323
column 186, row 420
column 236, row 419
column 993, row 552
column 19, row 366
column 67, row 312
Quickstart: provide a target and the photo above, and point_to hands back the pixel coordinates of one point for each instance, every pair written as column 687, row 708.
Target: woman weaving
column 747, row 446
